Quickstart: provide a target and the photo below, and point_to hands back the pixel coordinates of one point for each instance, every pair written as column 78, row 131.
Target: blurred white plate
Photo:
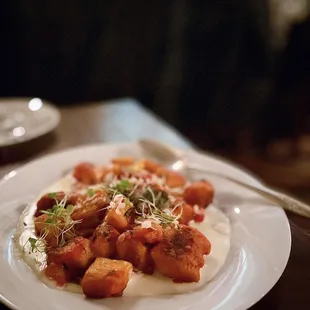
column 260, row 244
column 23, row 119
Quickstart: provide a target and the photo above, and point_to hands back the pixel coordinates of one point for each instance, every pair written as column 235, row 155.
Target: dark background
column 214, row 69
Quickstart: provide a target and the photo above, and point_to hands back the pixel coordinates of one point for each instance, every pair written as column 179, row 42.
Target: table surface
column 125, row 120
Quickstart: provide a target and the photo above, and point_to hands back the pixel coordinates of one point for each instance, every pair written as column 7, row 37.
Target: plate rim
column 189, row 150
column 26, row 138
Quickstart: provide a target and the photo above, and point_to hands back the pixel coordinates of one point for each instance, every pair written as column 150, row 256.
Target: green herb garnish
column 90, row 192
column 59, row 222
column 149, row 208
column 36, row 245
column 123, row 186
column 52, row 195
column 32, row 242
column 147, row 202
column 158, row 197
column 70, row 209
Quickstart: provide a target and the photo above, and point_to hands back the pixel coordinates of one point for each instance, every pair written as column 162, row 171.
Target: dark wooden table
column 125, row 120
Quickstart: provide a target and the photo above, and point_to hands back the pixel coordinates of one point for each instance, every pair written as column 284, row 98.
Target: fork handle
column 286, row 202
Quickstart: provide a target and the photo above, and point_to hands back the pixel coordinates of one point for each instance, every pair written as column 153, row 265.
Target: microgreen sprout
column 148, row 203
column 58, row 225
column 150, row 210
column 36, row 245
column 123, row 186
column 33, row 243
column 52, row 195
column 90, row 192
column 59, row 222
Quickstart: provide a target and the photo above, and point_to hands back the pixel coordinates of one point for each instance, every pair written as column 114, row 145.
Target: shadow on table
column 26, row 150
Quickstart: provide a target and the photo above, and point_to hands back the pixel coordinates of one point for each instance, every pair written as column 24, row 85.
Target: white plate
column 24, row 119
column 261, row 241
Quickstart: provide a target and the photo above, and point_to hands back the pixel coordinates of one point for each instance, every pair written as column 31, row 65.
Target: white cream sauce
column 216, row 227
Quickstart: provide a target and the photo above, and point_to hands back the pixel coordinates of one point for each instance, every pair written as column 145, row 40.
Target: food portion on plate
column 130, row 227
